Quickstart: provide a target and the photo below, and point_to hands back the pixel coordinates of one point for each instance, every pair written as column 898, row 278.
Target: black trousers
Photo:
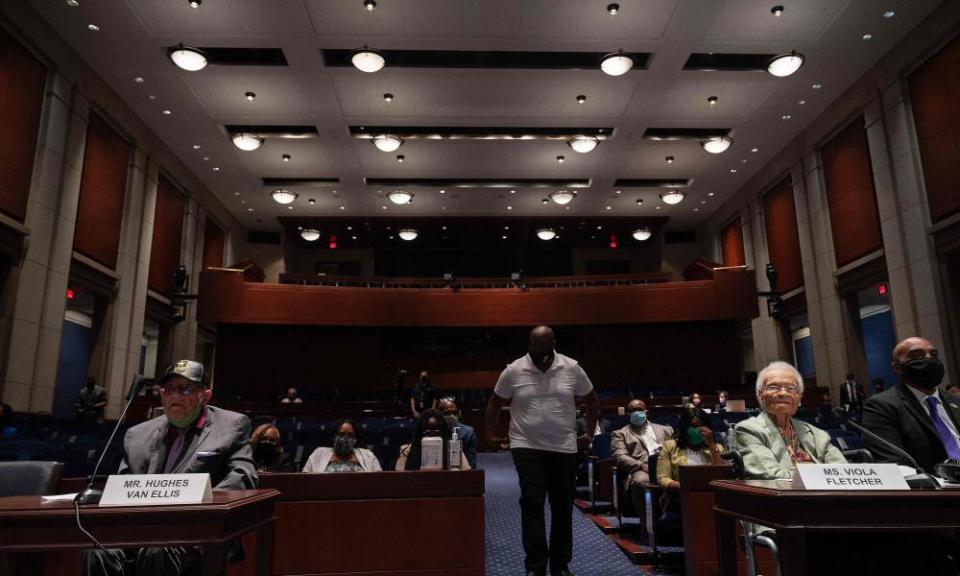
column 544, row 474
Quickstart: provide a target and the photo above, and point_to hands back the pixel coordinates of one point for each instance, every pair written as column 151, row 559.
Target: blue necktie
column 949, row 442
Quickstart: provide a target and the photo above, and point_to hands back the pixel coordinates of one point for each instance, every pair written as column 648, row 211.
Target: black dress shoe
column 561, row 572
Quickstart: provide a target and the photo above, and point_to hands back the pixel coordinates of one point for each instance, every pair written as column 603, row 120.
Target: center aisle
column 593, row 553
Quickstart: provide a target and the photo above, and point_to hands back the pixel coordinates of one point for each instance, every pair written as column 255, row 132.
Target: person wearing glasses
column 190, row 437
column 774, row 442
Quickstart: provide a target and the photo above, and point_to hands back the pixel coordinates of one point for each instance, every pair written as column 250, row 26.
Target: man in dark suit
column 852, row 395
column 190, row 437
column 468, row 437
column 914, row 414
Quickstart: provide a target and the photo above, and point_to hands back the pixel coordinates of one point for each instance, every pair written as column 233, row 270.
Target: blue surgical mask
column 638, row 418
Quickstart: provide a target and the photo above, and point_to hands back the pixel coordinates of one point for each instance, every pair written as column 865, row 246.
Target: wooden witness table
column 29, row 524
column 800, row 517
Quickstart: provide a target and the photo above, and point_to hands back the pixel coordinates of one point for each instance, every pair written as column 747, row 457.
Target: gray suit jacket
column 628, row 451
column 221, row 449
column 765, row 453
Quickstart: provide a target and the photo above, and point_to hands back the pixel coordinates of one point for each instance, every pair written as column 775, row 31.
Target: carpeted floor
column 593, row 553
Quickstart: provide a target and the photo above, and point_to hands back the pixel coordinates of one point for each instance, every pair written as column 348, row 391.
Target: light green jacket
column 765, row 452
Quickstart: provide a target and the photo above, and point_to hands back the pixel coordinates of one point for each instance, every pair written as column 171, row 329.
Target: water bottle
column 731, row 437
column 454, row 450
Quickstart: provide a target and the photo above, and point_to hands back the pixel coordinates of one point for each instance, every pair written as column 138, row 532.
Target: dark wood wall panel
column 934, row 93
column 783, row 240
column 102, row 188
column 214, row 241
column 167, row 230
column 851, row 197
column 731, row 243
column 22, row 80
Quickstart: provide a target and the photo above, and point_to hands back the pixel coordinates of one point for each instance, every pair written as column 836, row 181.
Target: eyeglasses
column 773, row 387
column 185, row 391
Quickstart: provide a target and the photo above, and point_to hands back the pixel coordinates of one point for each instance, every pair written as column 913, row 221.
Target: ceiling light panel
column 487, row 60
column 480, row 133
column 240, row 56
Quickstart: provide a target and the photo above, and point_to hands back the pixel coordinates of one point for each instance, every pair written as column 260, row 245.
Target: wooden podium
column 800, row 517
column 27, row 523
column 412, row 523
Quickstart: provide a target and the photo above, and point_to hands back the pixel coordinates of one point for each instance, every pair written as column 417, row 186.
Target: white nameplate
column 849, row 477
column 156, row 489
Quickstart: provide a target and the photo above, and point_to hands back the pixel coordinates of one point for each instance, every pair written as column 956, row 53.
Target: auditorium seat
column 29, row 478
column 26, row 450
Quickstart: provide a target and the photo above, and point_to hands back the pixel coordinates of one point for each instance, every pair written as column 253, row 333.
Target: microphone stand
column 919, row 481
column 91, row 495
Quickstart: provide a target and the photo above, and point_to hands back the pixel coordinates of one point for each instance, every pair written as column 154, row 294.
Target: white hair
column 774, row 366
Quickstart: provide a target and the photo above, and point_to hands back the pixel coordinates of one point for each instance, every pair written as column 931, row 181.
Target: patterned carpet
column 593, row 553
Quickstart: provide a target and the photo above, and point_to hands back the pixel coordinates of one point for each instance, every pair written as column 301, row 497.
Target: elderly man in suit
column 632, row 446
column 190, row 437
column 915, row 415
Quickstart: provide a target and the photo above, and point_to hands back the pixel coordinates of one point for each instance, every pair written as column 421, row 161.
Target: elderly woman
column 774, row 442
column 344, row 456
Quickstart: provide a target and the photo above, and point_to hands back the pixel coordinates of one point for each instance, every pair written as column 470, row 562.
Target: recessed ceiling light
column 608, row 207
column 93, row 28
column 744, row 161
column 249, row 209
column 562, row 197
column 581, row 99
column 509, row 207
column 250, row 96
column 443, row 227
column 383, row 207
column 642, row 234
column 504, row 237
column 786, row 117
column 889, row 14
column 443, row 191
column 613, row 8
column 206, row 158
column 639, row 201
column 658, row 207
column 401, row 157
column 598, row 228
column 310, row 234
column 712, row 100
column 246, row 141
column 754, row 149
column 368, row 60
column 703, row 201
column 216, row 168
column 286, row 157
column 545, row 201
column 400, row 197
column 73, row 3
column 785, row 64
column 283, row 196
column 195, row 3
column 616, row 63
column 618, row 192
column 311, row 201
column 408, row 234
column 236, row 193
column 243, row 201
column 733, row 170
column 717, row 144
column 673, row 197
column 167, row 112
column 867, row 36
column 546, row 234
column 696, row 209
column 513, row 191
column 152, row 97
column 342, row 207
column 353, row 237
column 669, row 160
column 817, row 86
column 187, row 57
column 506, row 227
column 388, row 97
column 561, row 159
column 369, row 5
column 777, row 11
column 196, row 146
column 138, row 79
column 583, row 144
column 289, row 207
column 387, row 142
column 709, row 193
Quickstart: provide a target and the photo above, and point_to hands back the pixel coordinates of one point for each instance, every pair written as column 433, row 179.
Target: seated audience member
column 292, row 397
column 190, row 437
column 468, row 438
column 692, row 444
column 430, row 424
column 721, row 405
column 424, row 395
column 914, row 415
column 695, row 401
column 91, row 401
column 267, row 451
column 344, row 456
column 632, row 446
column 774, row 442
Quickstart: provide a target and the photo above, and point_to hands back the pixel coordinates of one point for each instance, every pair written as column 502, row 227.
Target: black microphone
column 91, row 495
column 919, row 481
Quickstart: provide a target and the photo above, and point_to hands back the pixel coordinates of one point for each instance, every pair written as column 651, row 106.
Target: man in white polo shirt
column 542, row 390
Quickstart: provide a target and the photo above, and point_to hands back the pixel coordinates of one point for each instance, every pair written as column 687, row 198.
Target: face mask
column 924, row 372
column 343, row 445
column 694, row 436
column 452, row 420
column 638, row 418
column 544, row 359
column 188, row 419
column 265, row 451
column 696, row 401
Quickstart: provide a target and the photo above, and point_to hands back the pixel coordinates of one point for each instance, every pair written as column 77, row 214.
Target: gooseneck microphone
column 919, row 481
column 91, row 495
